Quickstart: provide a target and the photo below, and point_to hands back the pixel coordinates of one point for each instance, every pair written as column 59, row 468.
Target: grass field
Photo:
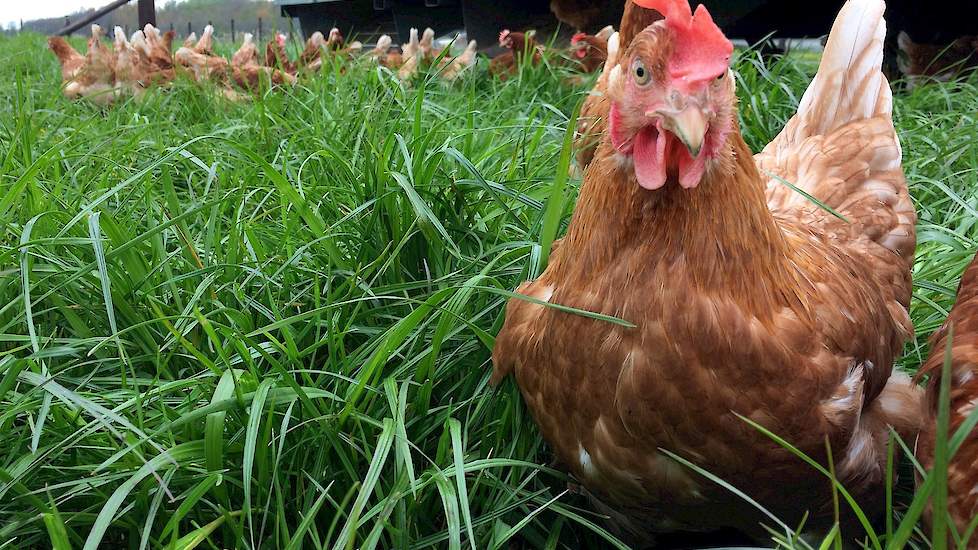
column 268, row 324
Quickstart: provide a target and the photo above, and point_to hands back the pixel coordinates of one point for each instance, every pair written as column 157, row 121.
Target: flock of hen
column 145, row 60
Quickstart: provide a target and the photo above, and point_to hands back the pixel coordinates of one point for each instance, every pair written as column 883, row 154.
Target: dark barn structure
column 752, row 20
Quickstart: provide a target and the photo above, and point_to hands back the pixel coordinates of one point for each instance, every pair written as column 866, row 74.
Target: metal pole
column 72, row 27
column 147, row 13
column 233, row 39
column 189, row 29
column 259, row 30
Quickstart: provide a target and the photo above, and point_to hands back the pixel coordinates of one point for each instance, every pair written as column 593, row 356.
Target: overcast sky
column 15, row 10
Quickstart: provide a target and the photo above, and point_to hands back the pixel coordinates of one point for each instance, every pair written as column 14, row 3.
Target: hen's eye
column 641, row 74
column 723, row 74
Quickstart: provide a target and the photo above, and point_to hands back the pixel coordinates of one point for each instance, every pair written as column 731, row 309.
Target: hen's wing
column 503, row 65
column 841, row 146
column 961, row 332
column 842, row 149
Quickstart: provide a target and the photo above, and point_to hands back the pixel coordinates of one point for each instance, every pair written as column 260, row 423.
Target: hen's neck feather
column 721, row 234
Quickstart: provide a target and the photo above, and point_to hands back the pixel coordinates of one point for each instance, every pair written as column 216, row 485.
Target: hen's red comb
column 701, row 50
column 577, row 37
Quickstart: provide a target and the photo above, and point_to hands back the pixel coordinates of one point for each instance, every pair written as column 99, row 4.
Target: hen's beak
column 689, row 125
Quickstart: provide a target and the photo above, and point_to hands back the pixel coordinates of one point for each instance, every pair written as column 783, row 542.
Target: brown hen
column 381, row 52
column 746, row 297
column 411, row 56
column 92, row 76
column 276, row 56
column 313, row 50
column 132, row 65
column 960, row 331
column 521, row 46
column 590, row 51
column 311, row 57
column 249, row 74
column 941, row 62
column 199, row 58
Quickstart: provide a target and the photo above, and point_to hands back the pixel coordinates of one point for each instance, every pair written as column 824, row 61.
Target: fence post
column 233, row 39
column 146, row 10
column 189, row 29
column 127, row 29
column 259, row 30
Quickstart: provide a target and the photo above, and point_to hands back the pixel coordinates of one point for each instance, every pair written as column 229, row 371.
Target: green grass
column 269, row 324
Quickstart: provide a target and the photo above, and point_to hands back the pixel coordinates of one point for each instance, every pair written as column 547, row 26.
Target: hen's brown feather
column 962, row 476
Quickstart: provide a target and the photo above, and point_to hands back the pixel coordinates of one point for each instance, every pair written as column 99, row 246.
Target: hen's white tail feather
column 383, row 45
column 849, row 84
column 121, row 42
column 467, row 57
